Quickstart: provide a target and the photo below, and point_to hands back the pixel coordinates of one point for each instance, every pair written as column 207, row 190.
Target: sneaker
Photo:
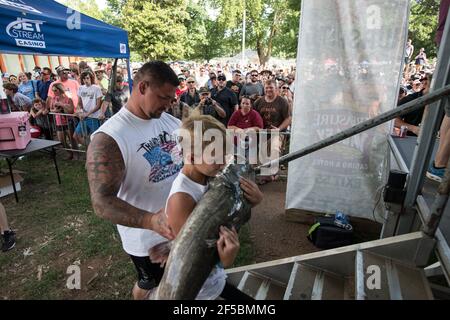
column 9, row 240
column 435, row 174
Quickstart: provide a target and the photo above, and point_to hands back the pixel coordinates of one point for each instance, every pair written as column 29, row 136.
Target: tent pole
column 130, row 80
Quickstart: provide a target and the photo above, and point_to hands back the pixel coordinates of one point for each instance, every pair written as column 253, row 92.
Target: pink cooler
column 14, row 130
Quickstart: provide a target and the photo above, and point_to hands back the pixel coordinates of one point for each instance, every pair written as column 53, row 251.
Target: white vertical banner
column 349, row 62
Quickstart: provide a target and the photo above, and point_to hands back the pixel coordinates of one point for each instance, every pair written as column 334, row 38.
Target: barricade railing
column 72, row 131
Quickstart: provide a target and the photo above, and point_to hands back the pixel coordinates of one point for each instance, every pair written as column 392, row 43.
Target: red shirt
column 251, row 119
column 179, row 91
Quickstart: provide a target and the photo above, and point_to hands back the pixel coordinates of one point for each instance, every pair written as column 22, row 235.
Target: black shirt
column 188, row 99
column 237, row 86
column 414, row 117
column 227, row 100
column 119, row 98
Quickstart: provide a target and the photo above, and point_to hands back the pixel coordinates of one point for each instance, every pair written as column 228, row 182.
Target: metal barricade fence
column 244, row 142
column 74, row 133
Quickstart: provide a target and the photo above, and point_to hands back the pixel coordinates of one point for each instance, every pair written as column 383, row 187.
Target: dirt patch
column 273, row 237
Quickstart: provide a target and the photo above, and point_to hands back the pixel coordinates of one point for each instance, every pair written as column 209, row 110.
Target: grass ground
column 56, row 228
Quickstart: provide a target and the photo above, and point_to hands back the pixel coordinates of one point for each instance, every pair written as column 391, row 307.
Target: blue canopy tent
column 46, row 27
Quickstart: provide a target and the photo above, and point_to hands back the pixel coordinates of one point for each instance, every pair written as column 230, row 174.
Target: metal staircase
column 385, row 269
column 398, row 259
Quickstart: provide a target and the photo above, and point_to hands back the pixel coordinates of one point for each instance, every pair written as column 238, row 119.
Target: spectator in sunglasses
column 71, row 86
column 225, row 97
column 254, row 88
column 191, row 96
column 44, row 84
column 286, row 93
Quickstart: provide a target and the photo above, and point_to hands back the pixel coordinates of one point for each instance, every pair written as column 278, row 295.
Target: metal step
column 260, row 287
column 397, row 281
column 308, row 283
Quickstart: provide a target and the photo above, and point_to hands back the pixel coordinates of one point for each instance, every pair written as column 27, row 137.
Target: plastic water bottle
column 341, row 220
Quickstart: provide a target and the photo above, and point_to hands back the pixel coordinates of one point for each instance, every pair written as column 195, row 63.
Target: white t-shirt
column 216, row 280
column 152, row 162
column 89, row 96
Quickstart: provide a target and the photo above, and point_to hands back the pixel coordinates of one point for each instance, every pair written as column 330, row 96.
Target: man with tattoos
column 131, row 163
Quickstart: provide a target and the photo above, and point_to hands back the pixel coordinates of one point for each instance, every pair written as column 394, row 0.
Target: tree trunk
column 264, row 55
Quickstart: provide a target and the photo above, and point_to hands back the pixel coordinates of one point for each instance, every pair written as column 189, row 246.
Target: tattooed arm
column 106, row 170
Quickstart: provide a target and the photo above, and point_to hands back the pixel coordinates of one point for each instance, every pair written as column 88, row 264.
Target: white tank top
column 152, row 161
column 215, row 282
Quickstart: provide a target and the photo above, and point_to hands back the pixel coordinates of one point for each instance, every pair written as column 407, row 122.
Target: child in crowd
column 188, row 188
column 61, row 103
column 39, row 113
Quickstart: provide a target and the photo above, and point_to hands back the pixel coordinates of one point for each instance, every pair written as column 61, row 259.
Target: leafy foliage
column 185, row 29
column 423, row 24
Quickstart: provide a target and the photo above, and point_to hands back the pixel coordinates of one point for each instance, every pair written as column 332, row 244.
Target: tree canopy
column 186, row 29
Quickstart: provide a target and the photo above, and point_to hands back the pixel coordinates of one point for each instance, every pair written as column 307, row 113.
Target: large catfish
column 194, row 254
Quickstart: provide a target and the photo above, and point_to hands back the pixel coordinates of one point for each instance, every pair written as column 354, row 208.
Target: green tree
column 87, row 7
column 156, row 29
column 423, row 24
column 271, row 24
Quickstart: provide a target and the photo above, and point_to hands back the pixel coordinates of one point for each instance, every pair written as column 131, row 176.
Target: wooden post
column 50, row 63
column 36, row 60
column 2, row 64
column 22, row 66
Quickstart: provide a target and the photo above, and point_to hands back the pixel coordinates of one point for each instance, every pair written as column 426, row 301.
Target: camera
column 208, row 101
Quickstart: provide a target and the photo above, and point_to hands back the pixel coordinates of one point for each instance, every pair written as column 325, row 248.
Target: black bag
column 325, row 234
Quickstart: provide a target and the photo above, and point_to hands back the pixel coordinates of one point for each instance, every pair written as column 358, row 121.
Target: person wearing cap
column 212, row 82
column 101, row 79
column 182, row 87
column 208, row 106
column 225, row 97
column 5, row 78
column 119, row 97
column 190, row 96
column 70, row 85
column 235, row 84
column 413, row 119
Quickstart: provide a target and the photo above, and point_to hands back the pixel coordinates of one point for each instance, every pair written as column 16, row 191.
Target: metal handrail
column 363, row 126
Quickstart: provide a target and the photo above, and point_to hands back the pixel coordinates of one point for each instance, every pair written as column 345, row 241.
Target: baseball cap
column 203, row 90
column 61, row 69
column 190, row 79
column 181, row 77
column 99, row 68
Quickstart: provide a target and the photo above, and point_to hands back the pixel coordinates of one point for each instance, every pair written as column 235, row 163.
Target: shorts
column 149, row 274
column 407, row 60
column 87, row 126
